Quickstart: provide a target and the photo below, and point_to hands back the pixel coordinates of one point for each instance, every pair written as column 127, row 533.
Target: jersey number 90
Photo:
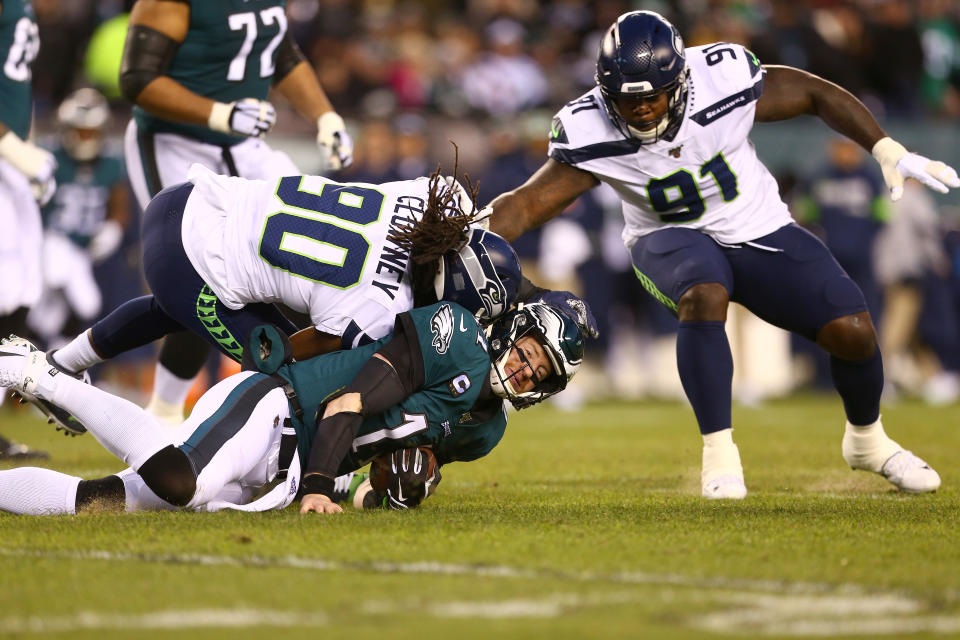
column 317, row 249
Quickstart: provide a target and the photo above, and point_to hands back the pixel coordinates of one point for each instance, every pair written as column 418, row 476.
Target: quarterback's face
column 527, row 364
column 643, row 112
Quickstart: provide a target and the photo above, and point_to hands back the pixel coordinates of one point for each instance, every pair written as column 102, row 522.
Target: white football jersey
column 707, row 178
column 319, row 247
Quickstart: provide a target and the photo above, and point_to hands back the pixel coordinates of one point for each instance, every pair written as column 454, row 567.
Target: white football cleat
column 871, row 449
column 722, row 474
column 22, row 366
column 909, row 473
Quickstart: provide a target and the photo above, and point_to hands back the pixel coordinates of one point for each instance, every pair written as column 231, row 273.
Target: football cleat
column 722, row 474
column 870, row 449
column 909, row 473
column 40, row 365
column 345, row 486
column 21, row 366
column 15, row 451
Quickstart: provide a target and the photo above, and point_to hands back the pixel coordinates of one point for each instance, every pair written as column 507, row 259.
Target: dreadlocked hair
column 442, row 228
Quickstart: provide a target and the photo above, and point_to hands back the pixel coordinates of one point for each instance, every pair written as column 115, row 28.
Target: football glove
column 898, row 164
column 105, row 242
column 411, row 475
column 573, row 307
column 37, row 164
column 247, row 117
column 334, row 142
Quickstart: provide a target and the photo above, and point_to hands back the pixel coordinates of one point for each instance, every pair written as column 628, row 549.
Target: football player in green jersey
column 438, row 382
column 198, row 74
column 26, row 178
column 84, row 222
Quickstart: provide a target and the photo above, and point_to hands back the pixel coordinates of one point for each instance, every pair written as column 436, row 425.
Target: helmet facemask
column 668, row 123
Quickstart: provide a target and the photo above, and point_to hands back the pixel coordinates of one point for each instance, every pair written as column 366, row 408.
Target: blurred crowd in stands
column 411, row 76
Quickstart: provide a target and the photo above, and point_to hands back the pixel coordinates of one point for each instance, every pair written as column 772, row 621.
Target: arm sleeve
column 403, row 352
column 289, row 56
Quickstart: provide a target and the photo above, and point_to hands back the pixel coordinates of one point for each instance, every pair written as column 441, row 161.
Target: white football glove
column 106, row 241
column 248, row 117
column 334, row 141
column 32, row 161
column 898, row 164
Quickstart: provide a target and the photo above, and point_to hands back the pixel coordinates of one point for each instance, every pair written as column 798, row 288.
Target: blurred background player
column 83, row 223
column 199, row 74
column 706, row 226
column 845, row 203
column 26, row 178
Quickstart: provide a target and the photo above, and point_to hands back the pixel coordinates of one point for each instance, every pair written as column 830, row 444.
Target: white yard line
column 733, row 605
column 167, row 619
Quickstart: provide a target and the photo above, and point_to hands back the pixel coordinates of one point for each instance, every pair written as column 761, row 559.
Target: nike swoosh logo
column 462, row 328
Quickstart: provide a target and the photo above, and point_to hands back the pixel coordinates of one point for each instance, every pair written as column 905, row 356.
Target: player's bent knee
column 105, row 493
column 706, row 302
column 850, row 337
column 170, row 475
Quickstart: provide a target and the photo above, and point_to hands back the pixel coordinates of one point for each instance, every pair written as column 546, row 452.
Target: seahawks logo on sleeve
column 557, row 133
column 441, row 325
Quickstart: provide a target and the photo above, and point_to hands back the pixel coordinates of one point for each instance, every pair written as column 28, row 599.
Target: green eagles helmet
column 560, row 338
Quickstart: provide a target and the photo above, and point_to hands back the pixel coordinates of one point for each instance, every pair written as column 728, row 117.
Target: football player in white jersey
column 220, row 251
column 667, row 128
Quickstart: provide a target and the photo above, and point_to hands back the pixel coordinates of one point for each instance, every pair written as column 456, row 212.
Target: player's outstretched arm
column 543, row 196
column 155, row 31
column 790, row 92
column 300, row 86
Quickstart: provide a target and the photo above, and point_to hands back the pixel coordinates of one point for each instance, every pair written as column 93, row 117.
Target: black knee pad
column 109, row 492
column 170, row 475
column 184, row 354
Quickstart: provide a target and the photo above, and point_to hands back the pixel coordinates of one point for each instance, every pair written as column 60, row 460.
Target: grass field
column 579, row 525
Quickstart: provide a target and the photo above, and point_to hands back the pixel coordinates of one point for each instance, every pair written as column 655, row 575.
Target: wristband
column 219, row 119
column 317, row 483
column 888, row 151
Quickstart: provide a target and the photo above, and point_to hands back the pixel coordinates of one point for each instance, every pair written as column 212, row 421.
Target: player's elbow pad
column 379, row 386
column 146, row 56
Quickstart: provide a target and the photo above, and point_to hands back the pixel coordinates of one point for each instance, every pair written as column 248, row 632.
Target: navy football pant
column 181, row 300
column 788, row 278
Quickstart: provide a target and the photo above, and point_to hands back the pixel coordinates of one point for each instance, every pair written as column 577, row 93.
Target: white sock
column 720, row 456
column 724, row 437
column 123, row 428
column 867, row 447
column 78, row 355
column 169, row 388
column 38, row 492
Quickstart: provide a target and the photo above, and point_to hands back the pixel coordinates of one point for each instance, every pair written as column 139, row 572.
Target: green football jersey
column 228, row 54
column 79, row 206
column 456, row 368
column 19, row 45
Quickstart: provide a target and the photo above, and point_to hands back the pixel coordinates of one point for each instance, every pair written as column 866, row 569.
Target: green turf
column 579, row 525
